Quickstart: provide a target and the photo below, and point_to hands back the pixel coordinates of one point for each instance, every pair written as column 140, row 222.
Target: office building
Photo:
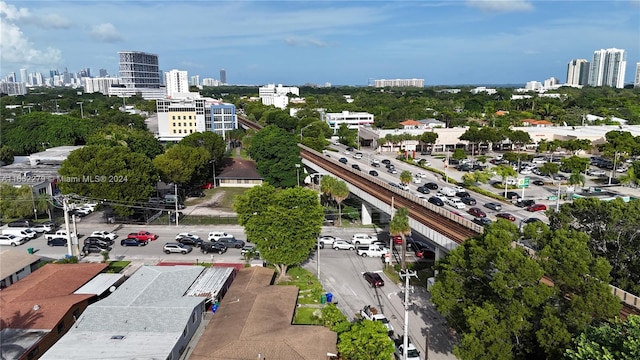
column 578, row 72
column 188, row 113
column 23, row 76
column 277, row 95
column 223, row 76
column 636, row 81
column 211, row 82
column 176, row 82
column 608, row 68
column 139, row 70
column 399, row 83
column 353, row 120
column 195, row 80
column 103, row 73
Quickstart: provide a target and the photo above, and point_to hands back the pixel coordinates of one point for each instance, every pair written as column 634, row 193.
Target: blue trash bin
column 329, row 297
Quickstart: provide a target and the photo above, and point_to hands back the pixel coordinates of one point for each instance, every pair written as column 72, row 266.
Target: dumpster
column 329, row 297
column 323, row 299
column 30, row 250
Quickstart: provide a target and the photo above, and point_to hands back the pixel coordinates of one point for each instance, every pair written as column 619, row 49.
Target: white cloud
column 15, row 47
column 25, row 17
column 105, row 32
column 52, row 21
column 501, row 5
column 296, row 41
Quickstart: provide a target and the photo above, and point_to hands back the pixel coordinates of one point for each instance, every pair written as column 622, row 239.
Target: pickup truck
column 371, row 250
column 143, row 236
column 104, row 235
column 371, row 313
column 412, row 352
column 57, row 234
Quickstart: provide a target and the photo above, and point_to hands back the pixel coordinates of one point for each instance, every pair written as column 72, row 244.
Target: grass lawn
column 117, row 266
column 310, row 288
column 229, row 196
column 304, row 316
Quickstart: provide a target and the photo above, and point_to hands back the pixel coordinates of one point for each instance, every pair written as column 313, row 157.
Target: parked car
column 104, row 235
column 423, row 189
column 14, row 240
column 43, row 228
column 436, row 201
column 512, row 195
column 559, row 177
column 133, row 242
column 327, row 239
column 196, row 193
column 58, row 241
column 373, row 173
column 21, row 223
column 530, row 220
column 190, row 240
column 172, row 216
column 215, row 235
column 342, row 245
column 212, row 247
column 431, row 186
column 506, row 216
column 177, row 248
column 537, row 207
column 477, row 212
column 98, row 242
column 231, row 242
column 468, row 200
column 373, row 279
column 91, row 248
column 250, row 249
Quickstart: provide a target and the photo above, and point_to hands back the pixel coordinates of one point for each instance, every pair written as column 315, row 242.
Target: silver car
column 493, row 206
column 342, row 245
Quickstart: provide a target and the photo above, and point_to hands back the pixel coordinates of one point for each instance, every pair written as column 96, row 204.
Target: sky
column 451, row 42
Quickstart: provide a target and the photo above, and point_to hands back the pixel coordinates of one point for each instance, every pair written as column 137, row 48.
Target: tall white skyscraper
column 176, row 81
column 23, row 76
column 608, row 68
column 578, row 72
column 636, row 81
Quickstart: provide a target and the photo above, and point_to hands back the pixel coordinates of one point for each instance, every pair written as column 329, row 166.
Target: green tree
column 20, row 202
column 113, row 173
column 334, row 319
column 405, row 177
column 550, row 168
column 617, row 341
column 140, row 141
column 576, row 179
column 574, row 164
column 182, row 164
column 428, row 138
column 284, row 223
column 459, row 154
column 347, row 136
column 478, row 176
column 505, row 171
column 210, row 141
column 276, row 152
column 399, row 226
column 473, row 136
column 6, row 155
column 335, row 189
column 366, row 340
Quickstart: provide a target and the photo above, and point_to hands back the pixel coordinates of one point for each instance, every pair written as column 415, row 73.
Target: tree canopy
column 619, row 340
column 140, row 141
column 283, row 223
column 366, row 340
column 182, row 164
column 276, row 153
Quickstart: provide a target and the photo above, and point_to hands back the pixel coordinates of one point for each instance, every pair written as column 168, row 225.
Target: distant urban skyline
column 342, row 43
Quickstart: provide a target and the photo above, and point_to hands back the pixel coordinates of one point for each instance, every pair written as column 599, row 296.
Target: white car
column 621, row 169
column 421, row 175
column 217, row 235
column 185, row 234
column 416, row 180
column 426, row 163
column 456, row 203
column 342, row 245
column 357, row 155
column 327, row 240
column 42, row 228
column 596, row 173
column 403, row 186
column 104, row 235
column 346, row 152
column 525, row 171
column 12, row 240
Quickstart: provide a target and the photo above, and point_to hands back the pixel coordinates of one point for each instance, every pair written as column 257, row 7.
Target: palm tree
column 405, row 177
column 399, row 226
column 576, row 178
column 339, row 193
column 327, row 183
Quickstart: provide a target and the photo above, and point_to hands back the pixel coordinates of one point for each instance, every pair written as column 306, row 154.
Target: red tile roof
column 537, row 122
column 411, row 122
column 40, row 300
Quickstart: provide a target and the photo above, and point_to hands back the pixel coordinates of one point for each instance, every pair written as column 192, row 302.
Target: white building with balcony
column 352, row 119
column 271, row 94
column 176, row 82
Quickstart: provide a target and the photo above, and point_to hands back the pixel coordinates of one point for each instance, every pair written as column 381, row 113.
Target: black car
column 21, row 223
column 373, row 279
column 524, row 203
column 88, row 249
column 103, row 243
column 59, row 241
column 373, row 173
column 343, row 160
column 468, row 200
column 531, row 220
column 212, row 247
column 423, row 189
column 431, row 186
column 463, row 194
column 132, row 242
column 196, row 193
column 355, row 167
column 538, row 182
column 375, row 164
column 436, row 201
column 512, row 195
column 190, row 240
column 386, row 161
column 231, row 242
column 350, row 148
column 482, row 221
column 172, row 216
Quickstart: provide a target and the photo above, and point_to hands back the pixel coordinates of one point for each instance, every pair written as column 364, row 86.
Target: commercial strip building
column 253, row 321
column 187, row 113
column 353, row 120
column 40, row 308
column 152, row 315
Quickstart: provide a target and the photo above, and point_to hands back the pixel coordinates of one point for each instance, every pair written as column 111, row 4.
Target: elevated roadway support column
column 366, row 215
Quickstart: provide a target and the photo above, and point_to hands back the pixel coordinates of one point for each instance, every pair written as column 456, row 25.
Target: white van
column 447, row 191
column 24, row 233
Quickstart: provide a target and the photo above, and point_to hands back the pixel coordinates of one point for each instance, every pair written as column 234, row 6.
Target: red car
column 397, row 240
column 506, row 216
column 477, row 212
column 537, row 207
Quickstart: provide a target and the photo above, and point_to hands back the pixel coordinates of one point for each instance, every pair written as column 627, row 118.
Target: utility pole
column 65, row 207
column 407, row 274
column 176, row 193
column 81, row 110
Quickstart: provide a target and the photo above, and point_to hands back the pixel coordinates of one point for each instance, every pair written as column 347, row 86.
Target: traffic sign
column 523, row 182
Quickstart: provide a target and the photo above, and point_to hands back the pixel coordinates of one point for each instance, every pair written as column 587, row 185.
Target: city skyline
column 342, row 43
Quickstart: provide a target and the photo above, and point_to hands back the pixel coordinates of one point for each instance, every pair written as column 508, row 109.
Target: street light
column 303, row 129
column 81, row 110
column 298, row 173
column 213, row 170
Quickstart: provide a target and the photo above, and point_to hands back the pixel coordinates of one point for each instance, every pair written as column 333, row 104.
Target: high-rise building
column 608, row 68
column 578, row 72
column 636, row 81
column 399, row 83
column 23, row 76
column 139, row 70
column 223, row 76
column 176, row 82
column 103, row 73
column 195, row 80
